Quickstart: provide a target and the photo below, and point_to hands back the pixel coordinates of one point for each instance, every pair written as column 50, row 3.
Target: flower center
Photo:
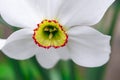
column 50, row 34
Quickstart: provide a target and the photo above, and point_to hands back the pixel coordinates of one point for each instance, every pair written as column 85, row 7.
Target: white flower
column 64, row 35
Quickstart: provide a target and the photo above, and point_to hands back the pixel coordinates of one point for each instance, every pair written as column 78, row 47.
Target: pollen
column 50, row 33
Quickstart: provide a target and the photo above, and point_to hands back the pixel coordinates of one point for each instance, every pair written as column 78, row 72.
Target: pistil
column 50, row 35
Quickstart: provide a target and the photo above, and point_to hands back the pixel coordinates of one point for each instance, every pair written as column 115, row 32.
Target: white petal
column 19, row 13
column 64, row 52
column 2, row 43
column 20, row 45
column 89, row 47
column 47, row 58
column 49, row 8
column 83, row 12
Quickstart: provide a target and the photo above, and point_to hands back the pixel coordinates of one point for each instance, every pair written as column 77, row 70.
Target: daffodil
column 56, row 29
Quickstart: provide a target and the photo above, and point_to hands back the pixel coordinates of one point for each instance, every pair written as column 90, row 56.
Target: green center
column 50, row 31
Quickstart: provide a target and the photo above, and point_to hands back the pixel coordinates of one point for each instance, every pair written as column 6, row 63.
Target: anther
column 54, row 29
column 46, row 29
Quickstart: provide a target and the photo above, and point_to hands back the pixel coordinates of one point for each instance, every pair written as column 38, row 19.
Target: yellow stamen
column 54, row 29
column 46, row 29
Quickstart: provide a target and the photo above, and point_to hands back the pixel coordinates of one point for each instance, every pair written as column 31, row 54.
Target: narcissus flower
column 56, row 29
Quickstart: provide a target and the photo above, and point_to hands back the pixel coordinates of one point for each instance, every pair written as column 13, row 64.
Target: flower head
column 56, row 29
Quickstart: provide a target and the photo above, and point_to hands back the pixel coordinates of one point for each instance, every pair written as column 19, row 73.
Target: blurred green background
column 66, row 70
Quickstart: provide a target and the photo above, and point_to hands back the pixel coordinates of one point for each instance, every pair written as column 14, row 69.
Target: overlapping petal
column 19, row 44
column 19, row 13
column 2, row 43
column 88, row 47
column 64, row 52
column 47, row 58
column 49, row 8
column 82, row 12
